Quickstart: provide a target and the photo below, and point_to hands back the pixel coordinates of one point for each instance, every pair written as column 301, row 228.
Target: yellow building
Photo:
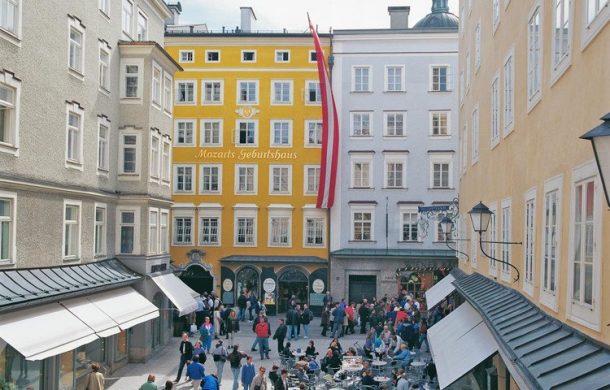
column 246, row 158
column 535, row 76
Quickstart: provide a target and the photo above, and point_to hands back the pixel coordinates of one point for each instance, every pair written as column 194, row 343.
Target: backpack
column 235, row 359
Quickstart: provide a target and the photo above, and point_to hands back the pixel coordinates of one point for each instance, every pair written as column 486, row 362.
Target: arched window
column 247, row 279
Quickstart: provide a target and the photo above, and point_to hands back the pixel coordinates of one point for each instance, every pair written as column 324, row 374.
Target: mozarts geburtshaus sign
column 246, row 154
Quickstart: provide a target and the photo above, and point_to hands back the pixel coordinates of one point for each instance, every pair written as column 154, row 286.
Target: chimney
column 176, row 10
column 399, row 17
column 247, row 19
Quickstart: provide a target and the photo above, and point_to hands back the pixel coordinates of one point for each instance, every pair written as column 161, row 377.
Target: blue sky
column 292, row 14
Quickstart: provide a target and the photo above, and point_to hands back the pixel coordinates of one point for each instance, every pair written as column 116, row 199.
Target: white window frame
column 211, row 211
column 9, row 80
column 156, row 86
column 275, row 56
column 275, row 102
column 549, row 298
column 243, row 54
column 187, row 213
column 386, row 81
column 139, row 17
column 12, row 234
column 386, row 115
column 361, row 158
column 14, row 36
column 475, row 134
column 394, row 158
column 168, row 97
column 79, row 224
column 153, row 239
column 412, row 210
column 492, row 235
column 313, row 213
column 125, row 62
column 103, row 156
column 204, row 100
column 495, row 111
column 353, row 115
column 447, row 80
column 560, row 65
column 318, row 100
column 474, row 249
column 431, row 115
column 104, row 68
column 129, row 31
column 464, row 149
column 316, row 178
column 306, row 133
column 534, row 70
column 365, row 88
column 310, row 56
column 177, row 130
column 506, row 231
column 203, row 191
column 580, row 312
column 495, row 15
column 272, row 131
column 193, row 178
column 202, row 129
column 76, row 25
column 248, row 101
column 362, row 209
column 590, row 28
column 164, row 234
column 508, row 102
column 254, row 179
column 182, row 60
column 238, row 122
column 186, row 102
column 272, row 191
column 154, row 161
column 122, row 134
column 281, row 213
column 529, row 241
column 207, row 60
column 245, row 211
column 75, row 163
column 477, row 46
column 441, row 158
column 166, row 161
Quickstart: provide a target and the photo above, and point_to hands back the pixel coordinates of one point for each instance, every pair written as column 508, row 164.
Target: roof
column 549, row 353
column 411, row 253
column 25, row 286
column 175, row 32
column 440, row 17
column 274, row 259
column 155, row 45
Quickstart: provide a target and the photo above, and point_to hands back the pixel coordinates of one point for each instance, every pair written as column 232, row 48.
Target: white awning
column 440, row 291
column 125, row 306
column 43, row 331
column 458, row 343
column 179, row 293
column 91, row 315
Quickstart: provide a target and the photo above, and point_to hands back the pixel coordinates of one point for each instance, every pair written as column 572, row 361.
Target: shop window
column 66, row 370
column 16, row 372
column 121, row 346
column 94, row 352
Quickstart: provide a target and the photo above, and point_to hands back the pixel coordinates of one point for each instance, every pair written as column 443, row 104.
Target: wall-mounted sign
column 318, row 286
column 227, row 285
column 269, row 285
column 246, row 154
column 269, row 298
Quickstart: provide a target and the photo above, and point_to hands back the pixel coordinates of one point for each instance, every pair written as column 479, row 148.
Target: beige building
column 535, row 76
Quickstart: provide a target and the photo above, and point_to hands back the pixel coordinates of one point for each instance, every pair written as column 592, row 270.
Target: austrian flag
column 330, row 130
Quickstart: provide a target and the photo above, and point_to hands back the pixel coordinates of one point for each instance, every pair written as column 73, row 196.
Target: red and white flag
column 330, row 130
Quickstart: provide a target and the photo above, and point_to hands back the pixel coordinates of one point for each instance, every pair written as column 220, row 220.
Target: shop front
column 278, row 280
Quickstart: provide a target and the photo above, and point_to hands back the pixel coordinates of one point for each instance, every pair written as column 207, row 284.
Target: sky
column 292, row 14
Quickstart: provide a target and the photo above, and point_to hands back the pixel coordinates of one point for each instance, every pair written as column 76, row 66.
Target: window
column 185, row 132
column 72, row 230
column 247, row 133
column 76, row 48
column 314, row 96
column 442, row 237
column 495, row 111
column 281, row 179
column 103, row 148
column 104, row 67
column 440, row 78
column 361, row 79
column 246, row 179
column 594, row 8
column 506, row 237
column 212, row 56
column 281, row 133
column 314, row 133
column 167, row 93
column 281, row 92
column 211, row 132
column 477, row 46
column 534, row 60
column 127, row 231
column 10, row 16
column 245, row 232
column 9, row 112
column 183, row 230
column 165, row 161
column 395, row 125
column 361, row 124
column 440, row 172
column 362, row 225
column 495, row 14
column 211, row 179
column 492, row 246
column 187, row 56
column 248, row 56
column 394, row 78
column 7, row 226
column 156, row 85
column 153, row 231
column 395, row 174
column 313, row 56
column 247, row 92
column 584, row 240
column 209, row 232
column 282, row 56
column 74, row 134
column 439, row 123
column 163, row 236
column 464, row 150
column 142, row 27
column 127, row 17
column 315, row 231
column 185, row 92
column 131, row 80
column 551, row 241
column 409, row 231
column 128, row 158
column 475, row 135
column 561, row 34
column 474, row 250
column 509, row 87
column 155, row 157
column 212, row 92
column 312, row 179
column 361, row 170
column 279, row 231
column 183, row 176
column 468, row 72
column 462, row 87
column 529, row 242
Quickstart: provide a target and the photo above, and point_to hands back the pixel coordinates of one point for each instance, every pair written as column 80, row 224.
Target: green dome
column 440, row 17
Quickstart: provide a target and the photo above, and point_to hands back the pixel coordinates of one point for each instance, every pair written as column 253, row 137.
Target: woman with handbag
column 260, row 380
column 232, row 327
column 220, row 354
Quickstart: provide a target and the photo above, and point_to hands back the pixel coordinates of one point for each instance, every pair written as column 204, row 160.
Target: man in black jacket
column 364, row 312
column 306, row 318
column 280, row 335
column 292, row 320
column 186, row 353
column 242, row 302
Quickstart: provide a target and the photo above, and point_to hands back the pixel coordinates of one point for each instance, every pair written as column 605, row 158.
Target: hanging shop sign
column 318, row 286
column 227, row 285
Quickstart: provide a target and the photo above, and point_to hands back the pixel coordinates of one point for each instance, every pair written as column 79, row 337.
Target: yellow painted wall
column 230, row 69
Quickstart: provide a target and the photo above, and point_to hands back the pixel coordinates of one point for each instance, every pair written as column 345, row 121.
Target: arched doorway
column 198, row 278
column 411, row 282
column 247, row 279
column 159, row 301
column 292, row 282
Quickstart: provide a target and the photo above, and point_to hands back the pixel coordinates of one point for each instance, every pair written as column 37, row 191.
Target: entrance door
column 362, row 286
column 292, row 282
column 198, row 278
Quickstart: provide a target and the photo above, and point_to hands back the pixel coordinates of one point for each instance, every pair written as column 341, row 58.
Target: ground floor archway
column 198, row 279
column 247, row 279
column 292, row 282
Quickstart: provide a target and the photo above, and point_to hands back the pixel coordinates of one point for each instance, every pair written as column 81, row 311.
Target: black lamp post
column 600, row 140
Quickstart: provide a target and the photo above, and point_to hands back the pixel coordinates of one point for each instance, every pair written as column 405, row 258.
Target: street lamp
column 600, row 140
column 446, row 226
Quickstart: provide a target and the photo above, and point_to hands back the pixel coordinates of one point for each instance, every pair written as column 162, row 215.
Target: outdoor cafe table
column 382, row 379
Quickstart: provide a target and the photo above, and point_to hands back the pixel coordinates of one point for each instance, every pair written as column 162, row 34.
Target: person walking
column 339, row 313
column 196, row 372
column 306, row 318
column 211, row 382
column 364, row 312
column 220, row 355
column 280, row 335
column 282, row 382
column 260, row 380
column 232, row 327
column 242, row 303
column 217, row 322
column 263, row 331
column 252, row 304
column 206, row 332
column 186, row 354
column 256, row 321
column 150, row 383
column 324, row 320
column 247, row 373
column 292, row 321
column 95, row 379
column 235, row 360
